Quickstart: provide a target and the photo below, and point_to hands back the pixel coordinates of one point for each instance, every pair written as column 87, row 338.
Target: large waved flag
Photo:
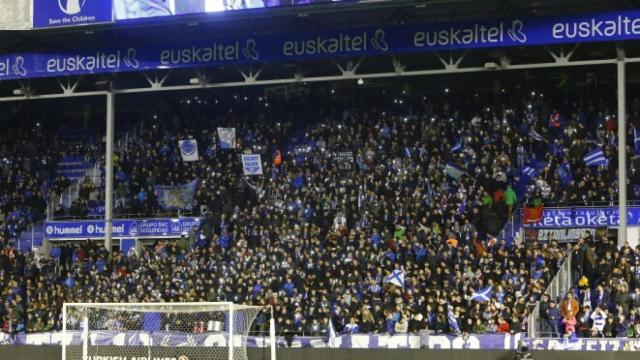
column 396, row 278
column 595, row 158
column 227, row 138
column 453, row 320
column 453, row 170
column 482, row 295
column 188, row 150
column 536, row 136
column 177, row 197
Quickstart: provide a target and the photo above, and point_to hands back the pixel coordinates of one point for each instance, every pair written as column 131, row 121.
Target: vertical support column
column 231, row 337
column 622, row 151
column 108, row 157
column 272, row 335
column 85, row 334
column 64, row 331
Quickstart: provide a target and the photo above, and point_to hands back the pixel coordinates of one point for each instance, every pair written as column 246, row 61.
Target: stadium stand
column 380, row 211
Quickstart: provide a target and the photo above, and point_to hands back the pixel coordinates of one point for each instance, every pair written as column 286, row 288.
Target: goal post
column 161, row 331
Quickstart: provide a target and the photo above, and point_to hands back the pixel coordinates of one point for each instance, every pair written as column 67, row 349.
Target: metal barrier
column 558, row 287
column 31, row 237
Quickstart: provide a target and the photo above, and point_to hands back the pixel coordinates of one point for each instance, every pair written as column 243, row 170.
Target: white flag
column 396, row 278
column 189, row 150
column 252, row 164
column 227, row 138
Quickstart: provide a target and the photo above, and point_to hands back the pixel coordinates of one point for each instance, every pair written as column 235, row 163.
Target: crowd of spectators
column 318, row 234
column 606, row 299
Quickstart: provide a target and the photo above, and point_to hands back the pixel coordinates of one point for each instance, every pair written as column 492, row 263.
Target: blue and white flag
column 227, row 138
column 453, row 170
column 396, row 278
column 178, row 197
column 529, row 171
column 636, row 140
column 188, row 150
column 407, row 152
column 482, row 295
column 462, row 207
column 252, row 164
column 536, row 136
column 595, row 158
column 457, row 146
column 453, row 320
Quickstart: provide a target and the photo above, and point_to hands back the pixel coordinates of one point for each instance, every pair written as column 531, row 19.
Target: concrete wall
column 15, row 352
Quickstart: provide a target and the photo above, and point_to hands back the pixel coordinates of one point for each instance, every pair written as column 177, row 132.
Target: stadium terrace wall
column 24, row 352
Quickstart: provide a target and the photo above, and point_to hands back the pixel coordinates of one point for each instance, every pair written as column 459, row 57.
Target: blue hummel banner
column 124, row 228
column 54, row 13
column 121, row 56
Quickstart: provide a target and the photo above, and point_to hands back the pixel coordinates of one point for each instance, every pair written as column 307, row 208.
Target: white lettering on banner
column 585, row 217
column 477, row 34
column 67, row 230
column 97, row 62
column 208, row 54
column 621, row 26
column 4, row 67
column 564, row 235
column 76, row 19
column 326, row 45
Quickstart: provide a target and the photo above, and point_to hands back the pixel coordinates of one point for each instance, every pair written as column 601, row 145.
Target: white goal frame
column 194, row 307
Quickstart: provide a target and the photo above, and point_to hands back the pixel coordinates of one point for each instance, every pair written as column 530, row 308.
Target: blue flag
column 177, row 197
column 564, row 173
column 595, row 158
column 556, row 149
column 529, row 171
column 462, row 207
column 457, row 146
column 482, row 295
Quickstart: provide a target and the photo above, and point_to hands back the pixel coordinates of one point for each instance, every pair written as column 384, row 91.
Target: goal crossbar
column 225, row 325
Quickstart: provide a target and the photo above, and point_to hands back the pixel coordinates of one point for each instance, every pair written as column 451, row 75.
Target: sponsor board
column 125, row 228
column 109, row 57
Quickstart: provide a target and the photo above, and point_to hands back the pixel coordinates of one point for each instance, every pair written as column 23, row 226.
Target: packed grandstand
column 381, row 210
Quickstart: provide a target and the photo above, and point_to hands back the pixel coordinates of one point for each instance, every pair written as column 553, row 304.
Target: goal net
column 158, row 331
